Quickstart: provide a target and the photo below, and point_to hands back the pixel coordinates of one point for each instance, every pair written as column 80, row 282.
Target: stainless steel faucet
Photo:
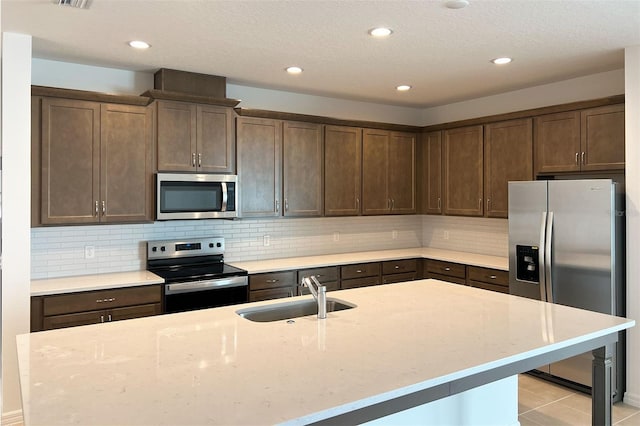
column 319, row 293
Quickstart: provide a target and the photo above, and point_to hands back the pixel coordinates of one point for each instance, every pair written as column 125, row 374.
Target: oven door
column 188, row 296
column 195, row 196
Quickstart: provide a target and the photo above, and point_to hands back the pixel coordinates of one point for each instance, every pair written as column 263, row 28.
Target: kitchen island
column 402, row 347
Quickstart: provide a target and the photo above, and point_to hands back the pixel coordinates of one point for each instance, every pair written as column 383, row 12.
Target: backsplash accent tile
column 59, row 251
column 468, row 234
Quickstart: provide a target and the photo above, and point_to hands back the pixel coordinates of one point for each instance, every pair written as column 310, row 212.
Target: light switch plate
column 89, row 252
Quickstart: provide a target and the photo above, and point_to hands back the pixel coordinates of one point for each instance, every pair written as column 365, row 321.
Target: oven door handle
column 205, row 285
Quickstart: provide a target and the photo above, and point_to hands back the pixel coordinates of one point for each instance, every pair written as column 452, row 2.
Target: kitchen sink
column 288, row 310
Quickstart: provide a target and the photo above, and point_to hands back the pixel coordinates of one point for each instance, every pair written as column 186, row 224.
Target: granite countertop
column 135, row 278
column 214, row 367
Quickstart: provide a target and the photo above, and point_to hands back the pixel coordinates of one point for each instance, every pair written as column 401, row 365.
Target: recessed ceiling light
column 294, row 70
column 501, row 61
column 139, row 44
column 403, row 88
column 380, row 32
column 457, row 4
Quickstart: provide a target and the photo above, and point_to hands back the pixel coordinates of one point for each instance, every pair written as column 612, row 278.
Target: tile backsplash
column 60, row 251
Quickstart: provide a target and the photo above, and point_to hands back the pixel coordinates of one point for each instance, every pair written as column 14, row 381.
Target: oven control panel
column 165, row 249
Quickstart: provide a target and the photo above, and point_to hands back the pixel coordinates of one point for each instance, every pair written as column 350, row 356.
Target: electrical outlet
column 266, row 240
column 89, row 252
column 446, row 235
column 336, row 236
column 394, row 235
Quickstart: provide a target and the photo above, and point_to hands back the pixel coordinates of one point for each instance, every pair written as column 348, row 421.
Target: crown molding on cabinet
column 186, row 97
column 84, row 95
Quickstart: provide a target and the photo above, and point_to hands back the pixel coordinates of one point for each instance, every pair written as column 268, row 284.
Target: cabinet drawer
column 360, row 270
column 489, row 276
column 399, row 266
column 360, row 282
column 323, row 275
column 73, row 320
column 487, row 286
column 446, row 268
column 272, row 280
column 101, row 299
column 448, row 279
column 398, row 278
column 271, row 293
column 131, row 312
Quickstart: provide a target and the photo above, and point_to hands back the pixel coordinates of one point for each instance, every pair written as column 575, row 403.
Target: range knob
column 218, row 245
column 163, row 248
column 210, row 245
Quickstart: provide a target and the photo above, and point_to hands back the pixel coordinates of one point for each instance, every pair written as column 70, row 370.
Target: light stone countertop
column 271, row 265
column 135, row 278
column 93, row 282
column 214, row 367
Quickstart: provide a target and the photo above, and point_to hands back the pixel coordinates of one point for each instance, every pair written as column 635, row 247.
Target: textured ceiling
column 443, row 53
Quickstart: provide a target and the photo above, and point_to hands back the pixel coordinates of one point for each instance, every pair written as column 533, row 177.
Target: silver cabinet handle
column 272, row 281
column 488, row 203
column 357, row 203
column 193, row 159
column 447, row 269
column 101, row 318
column 479, row 203
column 96, row 208
column 439, row 203
column 359, row 271
column 277, row 205
column 576, row 158
column 104, row 208
column 396, row 267
column 286, row 205
column 110, row 299
column 583, row 158
column 393, row 204
column 199, row 159
column 492, row 277
column 109, row 317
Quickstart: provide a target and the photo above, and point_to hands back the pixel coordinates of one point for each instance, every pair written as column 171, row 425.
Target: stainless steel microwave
column 196, row 196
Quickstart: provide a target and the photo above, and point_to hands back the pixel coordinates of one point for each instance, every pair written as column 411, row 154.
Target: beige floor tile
column 524, row 421
column 544, row 389
column 633, row 420
column 558, row 414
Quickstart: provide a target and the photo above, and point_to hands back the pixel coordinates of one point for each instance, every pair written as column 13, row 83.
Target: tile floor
column 548, row 404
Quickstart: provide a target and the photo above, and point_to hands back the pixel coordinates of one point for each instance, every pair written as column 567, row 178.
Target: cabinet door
column 138, row 311
column 375, row 166
column 557, row 142
column 432, row 173
column 402, row 173
column 177, row 137
column 216, row 140
column 70, row 161
column 342, row 170
column 303, row 169
column 126, row 172
column 508, row 156
column 463, row 171
column 602, row 138
column 259, row 170
column 73, row 320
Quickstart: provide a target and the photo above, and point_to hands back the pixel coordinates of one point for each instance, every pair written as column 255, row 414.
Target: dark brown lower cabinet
column 272, row 285
column 94, row 307
column 488, row 279
column 360, row 275
column 327, row 276
column 445, row 271
column 396, row 271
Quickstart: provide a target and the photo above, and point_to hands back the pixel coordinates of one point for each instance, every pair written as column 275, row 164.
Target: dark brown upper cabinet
column 463, row 171
column 587, row 140
column 303, row 169
column 280, row 168
column 195, row 138
column 431, row 173
column 95, row 163
column 388, row 172
column 508, row 156
column 342, row 170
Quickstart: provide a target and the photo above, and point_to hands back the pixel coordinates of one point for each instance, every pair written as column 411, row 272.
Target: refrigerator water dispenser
column 527, row 263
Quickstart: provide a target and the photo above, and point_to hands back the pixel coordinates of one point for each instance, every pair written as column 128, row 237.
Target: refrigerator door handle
column 542, row 258
column 548, row 263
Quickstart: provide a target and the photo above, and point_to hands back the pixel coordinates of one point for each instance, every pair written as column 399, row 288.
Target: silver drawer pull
column 101, row 318
column 447, row 269
column 493, row 277
column 110, row 299
column 272, row 281
column 396, row 267
column 359, row 271
column 109, row 317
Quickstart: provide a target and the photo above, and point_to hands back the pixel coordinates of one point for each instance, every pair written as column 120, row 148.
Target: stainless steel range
column 195, row 274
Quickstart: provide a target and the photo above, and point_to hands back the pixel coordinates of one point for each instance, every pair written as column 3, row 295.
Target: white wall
column 578, row 89
column 16, row 188
column 632, row 184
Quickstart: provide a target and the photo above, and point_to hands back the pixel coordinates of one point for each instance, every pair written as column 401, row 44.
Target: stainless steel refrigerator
column 566, row 246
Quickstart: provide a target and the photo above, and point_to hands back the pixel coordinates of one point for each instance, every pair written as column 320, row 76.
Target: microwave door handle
column 224, row 196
